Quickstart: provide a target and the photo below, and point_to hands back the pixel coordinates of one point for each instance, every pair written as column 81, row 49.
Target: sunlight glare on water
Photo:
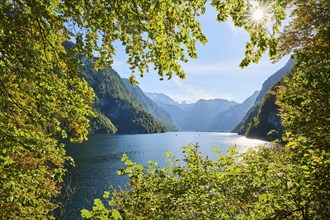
column 99, row 158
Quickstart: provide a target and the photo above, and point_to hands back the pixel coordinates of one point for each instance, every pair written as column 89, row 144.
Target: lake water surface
column 99, row 158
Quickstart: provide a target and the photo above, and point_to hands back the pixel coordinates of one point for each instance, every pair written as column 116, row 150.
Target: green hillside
column 117, row 103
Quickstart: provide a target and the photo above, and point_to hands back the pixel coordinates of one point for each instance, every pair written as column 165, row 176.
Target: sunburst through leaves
column 260, row 14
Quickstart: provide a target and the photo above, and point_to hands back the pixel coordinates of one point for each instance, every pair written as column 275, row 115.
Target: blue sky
column 215, row 73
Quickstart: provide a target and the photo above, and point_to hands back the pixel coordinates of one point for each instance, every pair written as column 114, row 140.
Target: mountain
column 273, row 79
column 115, row 106
column 264, row 117
column 229, row 119
column 159, row 114
column 161, row 98
column 200, row 115
column 101, row 124
column 166, row 104
column 266, row 125
column 191, row 117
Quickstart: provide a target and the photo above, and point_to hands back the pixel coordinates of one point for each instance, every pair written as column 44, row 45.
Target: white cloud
column 117, row 63
column 178, row 81
column 121, row 68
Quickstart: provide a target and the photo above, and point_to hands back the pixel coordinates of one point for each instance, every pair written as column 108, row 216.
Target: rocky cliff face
column 263, row 121
column 116, row 104
column 266, row 125
column 273, row 79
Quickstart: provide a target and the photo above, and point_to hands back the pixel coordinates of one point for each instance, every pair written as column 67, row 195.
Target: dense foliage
column 41, row 99
column 264, row 184
column 41, row 96
column 304, row 102
column 101, row 124
column 304, row 98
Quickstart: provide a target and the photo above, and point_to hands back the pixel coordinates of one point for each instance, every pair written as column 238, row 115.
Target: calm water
column 98, row 159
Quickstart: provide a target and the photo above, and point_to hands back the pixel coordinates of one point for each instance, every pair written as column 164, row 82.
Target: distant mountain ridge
column 161, row 98
column 204, row 115
column 255, row 117
column 229, row 119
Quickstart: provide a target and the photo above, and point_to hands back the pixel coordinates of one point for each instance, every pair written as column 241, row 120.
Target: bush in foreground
column 263, row 183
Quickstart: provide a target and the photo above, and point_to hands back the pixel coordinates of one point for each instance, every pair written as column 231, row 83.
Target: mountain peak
column 160, row 97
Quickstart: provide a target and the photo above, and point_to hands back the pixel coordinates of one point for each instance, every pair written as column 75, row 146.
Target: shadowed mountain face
column 116, row 104
column 229, row 119
column 159, row 114
column 273, row 79
column 116, row 108
column 192, row 117
column 264, row 117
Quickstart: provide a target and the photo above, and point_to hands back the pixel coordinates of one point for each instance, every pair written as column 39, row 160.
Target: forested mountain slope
column 159, row 114
column 263, row 117
column 117, row 103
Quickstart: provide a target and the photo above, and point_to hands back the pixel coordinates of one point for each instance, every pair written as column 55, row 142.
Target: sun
column 258, row 14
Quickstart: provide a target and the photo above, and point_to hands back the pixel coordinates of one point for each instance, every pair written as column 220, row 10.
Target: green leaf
column 86, row 214
column 304, row 167
column 115, row 214
column 112, row 203
column 106, row 194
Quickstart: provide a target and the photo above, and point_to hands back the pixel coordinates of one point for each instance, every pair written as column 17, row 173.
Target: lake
column 98, row 159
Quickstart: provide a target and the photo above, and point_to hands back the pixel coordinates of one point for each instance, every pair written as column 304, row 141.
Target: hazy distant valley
column 123, row 108
column 204, row 115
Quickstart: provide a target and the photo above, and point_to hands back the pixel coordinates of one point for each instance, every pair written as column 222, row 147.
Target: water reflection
column 99, row 158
